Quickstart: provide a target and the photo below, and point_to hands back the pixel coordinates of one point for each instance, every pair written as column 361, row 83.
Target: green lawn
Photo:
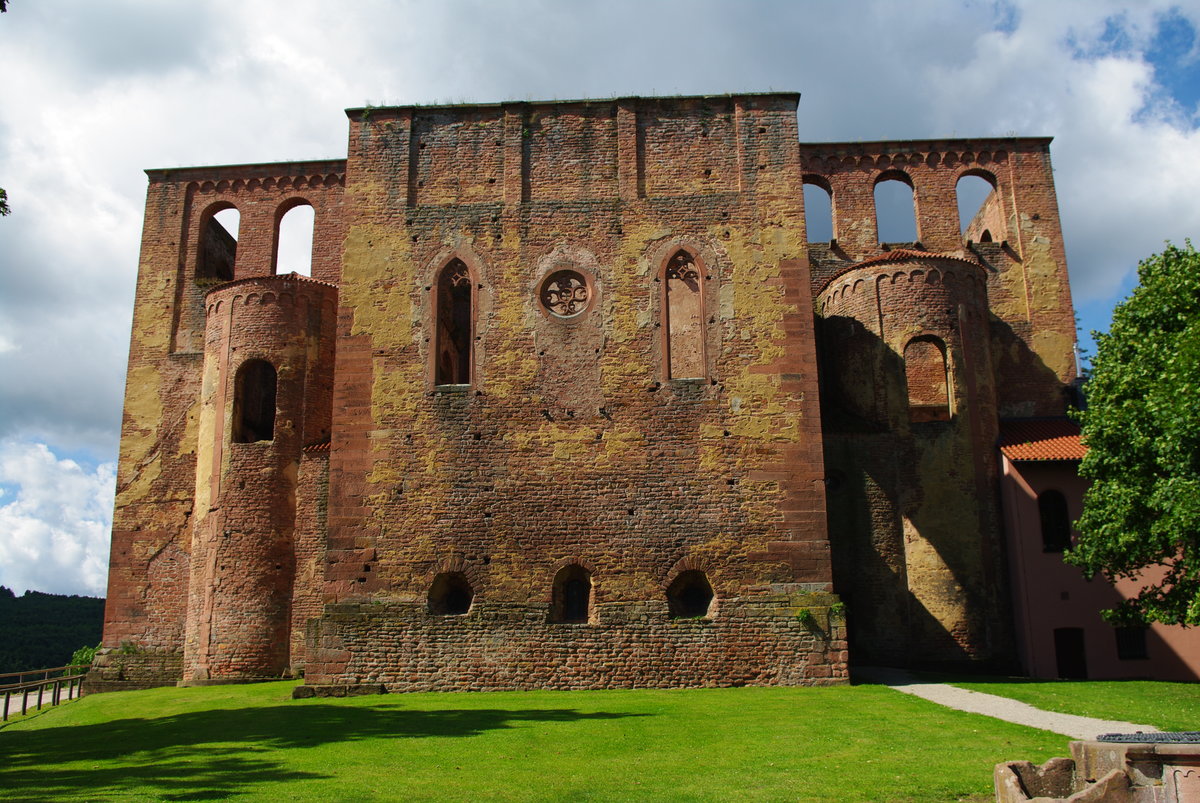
column 1166, row 706
column 255, row 742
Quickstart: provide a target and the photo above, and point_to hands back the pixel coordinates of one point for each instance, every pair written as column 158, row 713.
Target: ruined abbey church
column 571, row 399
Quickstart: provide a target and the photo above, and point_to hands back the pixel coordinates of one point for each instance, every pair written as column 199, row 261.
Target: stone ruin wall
column 571, row 443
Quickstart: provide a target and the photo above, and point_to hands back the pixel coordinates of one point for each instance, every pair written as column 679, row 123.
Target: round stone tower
column 911, row 409
column 266, row 394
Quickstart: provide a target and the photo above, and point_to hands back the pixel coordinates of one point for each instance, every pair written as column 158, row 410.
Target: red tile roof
column 1041, row 439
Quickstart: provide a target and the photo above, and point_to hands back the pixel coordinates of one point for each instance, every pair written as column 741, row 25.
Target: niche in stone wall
column 453, row 325
column 450, row 595
column 572, row 596
column 683, row 307
column 254, row 402
column 690, row 595
column 218, row 244
column 927, row 379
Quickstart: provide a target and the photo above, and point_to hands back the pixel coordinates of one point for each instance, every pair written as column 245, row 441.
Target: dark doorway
column 1069, row 653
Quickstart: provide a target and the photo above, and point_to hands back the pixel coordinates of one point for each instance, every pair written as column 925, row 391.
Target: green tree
column 1142, row 429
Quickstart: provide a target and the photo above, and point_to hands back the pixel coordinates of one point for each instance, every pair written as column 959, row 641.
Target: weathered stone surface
column 577, row 339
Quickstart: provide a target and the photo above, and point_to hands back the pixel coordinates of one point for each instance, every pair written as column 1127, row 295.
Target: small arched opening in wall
column 928, row 380
column 294, row 222
column 1055, row 521
column 254, row 402
column 683, row 313
column 818, row 209
column 895, row 208
column 571, row 600
column 690, row 595
column 217, row 251
column 450, row 595
column 453, row 324
column 979, row 215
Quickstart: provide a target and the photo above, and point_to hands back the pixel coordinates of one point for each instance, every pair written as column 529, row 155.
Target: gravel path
column 992, row 705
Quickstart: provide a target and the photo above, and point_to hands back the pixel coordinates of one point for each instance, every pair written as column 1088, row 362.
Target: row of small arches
column 951, row 279
column 895, row 200
column 280, row 183
column 572, row 598
column 292, row 247
column 886, row 160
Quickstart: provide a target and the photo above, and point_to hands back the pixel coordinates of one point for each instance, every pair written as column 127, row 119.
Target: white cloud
column 54, row 529
column 97, row 93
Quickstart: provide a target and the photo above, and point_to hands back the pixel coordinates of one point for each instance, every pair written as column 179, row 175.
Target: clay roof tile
column 1041, row 439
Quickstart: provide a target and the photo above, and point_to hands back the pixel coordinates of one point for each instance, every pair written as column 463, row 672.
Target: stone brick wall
column 573, row 441
column 765, row 641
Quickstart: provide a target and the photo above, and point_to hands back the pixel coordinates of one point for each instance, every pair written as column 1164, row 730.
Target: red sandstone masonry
column 572, row 444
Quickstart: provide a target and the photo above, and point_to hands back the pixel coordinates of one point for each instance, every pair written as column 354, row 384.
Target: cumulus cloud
column 98, row 92
column 55, row 517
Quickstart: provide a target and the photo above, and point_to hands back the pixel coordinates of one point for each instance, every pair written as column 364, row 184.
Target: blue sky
column 95, row 93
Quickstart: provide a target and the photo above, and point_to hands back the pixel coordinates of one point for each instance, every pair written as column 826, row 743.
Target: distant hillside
column 42, row 630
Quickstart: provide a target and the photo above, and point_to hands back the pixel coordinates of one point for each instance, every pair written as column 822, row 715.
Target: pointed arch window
column 683, row 308
column 454, row 325
column 927, row 379
column 254, row 402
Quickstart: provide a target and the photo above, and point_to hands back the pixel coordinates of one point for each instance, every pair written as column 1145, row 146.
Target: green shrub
column 82, row 658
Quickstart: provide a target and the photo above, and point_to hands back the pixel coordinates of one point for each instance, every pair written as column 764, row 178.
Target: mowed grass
column 254, row 742
column 1166, row 706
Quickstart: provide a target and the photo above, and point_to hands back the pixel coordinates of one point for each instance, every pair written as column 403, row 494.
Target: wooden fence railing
column 36, row 683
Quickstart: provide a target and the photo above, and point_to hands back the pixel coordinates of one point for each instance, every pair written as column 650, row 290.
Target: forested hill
column 42, row 630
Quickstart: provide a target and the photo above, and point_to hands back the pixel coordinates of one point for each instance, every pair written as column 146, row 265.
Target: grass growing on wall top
column 255, row 743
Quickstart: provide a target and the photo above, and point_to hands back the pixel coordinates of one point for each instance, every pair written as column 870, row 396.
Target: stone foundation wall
column 753, row 641
column 113, row 670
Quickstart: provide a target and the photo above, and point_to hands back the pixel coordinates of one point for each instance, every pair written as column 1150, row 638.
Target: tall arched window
column 978, row 211
column 454, row 331
column 294, row 239
column 683, row 308
column 218, row 245
column 572, row 596
column 1055, row 520
column 927, row 379
column 254, row 402
column 818, row 209
column 895, row 208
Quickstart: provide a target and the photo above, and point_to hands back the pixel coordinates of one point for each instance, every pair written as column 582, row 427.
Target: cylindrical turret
column 907, row 358
column 266, row 394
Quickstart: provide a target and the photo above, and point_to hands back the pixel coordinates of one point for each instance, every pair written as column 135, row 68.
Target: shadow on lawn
column 208, row 755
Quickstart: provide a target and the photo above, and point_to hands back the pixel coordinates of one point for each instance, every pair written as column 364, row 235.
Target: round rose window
column 565, row 293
